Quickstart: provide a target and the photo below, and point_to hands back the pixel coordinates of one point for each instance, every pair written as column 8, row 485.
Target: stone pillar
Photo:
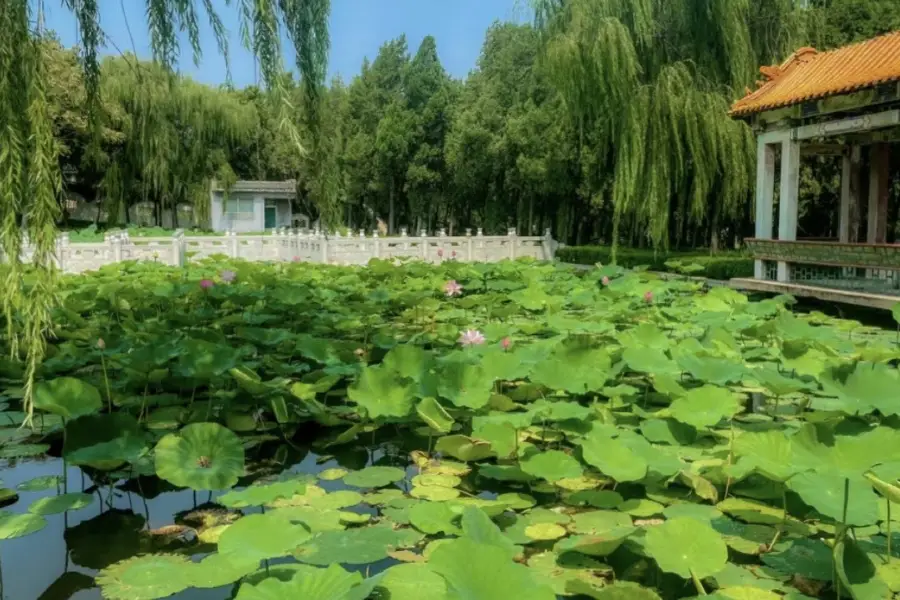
column 765, row 198
column 513, row 240
column 115, row 243
column 233, row 244
column 787, row 209
column 178, row 248
column 469, row 255
column 376, row 244
column 62, row 251
column 423, row 235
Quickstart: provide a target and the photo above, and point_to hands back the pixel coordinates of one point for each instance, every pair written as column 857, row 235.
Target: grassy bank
column 722, row 265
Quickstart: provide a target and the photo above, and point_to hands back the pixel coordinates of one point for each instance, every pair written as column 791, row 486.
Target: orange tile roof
column 810, row 75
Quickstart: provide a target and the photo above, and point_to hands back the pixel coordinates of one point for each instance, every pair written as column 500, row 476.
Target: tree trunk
column 530, row 216
column 714, row 229
column 391, row 209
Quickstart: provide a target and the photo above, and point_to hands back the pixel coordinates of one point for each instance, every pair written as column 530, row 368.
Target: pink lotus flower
column 440, row 253
column 101, row 344
column 452, row 288
column 471, row 337
column 453, row 254
column 206, row 283
column 505, row 343
column 228, row 276
column 648, row 296
column 297, row 259
column 605, row 281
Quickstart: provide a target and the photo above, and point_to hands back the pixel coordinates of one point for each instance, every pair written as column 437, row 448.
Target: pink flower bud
column 648, row 296
column 206, row 283
column 605, row 281
column 101, row 344
column 505, row 343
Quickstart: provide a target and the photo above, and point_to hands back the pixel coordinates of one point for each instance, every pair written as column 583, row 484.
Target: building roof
column 259, row 187
column 811, row 75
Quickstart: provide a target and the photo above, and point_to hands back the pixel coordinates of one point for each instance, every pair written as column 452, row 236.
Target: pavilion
column 844, row 103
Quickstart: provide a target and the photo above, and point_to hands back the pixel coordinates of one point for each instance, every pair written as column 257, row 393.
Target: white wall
column 222, row 222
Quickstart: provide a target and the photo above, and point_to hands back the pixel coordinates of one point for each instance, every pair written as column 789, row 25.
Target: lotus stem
column 784, row 517
column 106, row 381
column 888, row 500
column 697, row 584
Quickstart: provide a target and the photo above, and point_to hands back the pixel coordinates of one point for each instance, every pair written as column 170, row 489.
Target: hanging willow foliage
column 30, row 178
column 652, row 81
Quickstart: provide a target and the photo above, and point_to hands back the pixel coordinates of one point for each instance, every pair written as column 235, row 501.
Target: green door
column 271, row 217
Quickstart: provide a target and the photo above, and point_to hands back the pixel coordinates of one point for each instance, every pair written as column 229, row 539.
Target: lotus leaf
column 504, row 473
column 436, row 479
column 414, row 581
column 502, row 437
column 104, row 441
column 684, row 546
column 433, row 517
column 562, row 571
column 434, row 415
column 869, row 387
column 478, row 527
column 476, row 571
column 464, row 448
column 332, row 474
column 649, row 360
column 375, row 477
column 744, row 538
column 17, row 525
column 52, row 505
column 705, row 406
column 613, row 457
column 333, row 583
column 382, row 393
column 39, row 484
column 516, row 501
column 804, row 557
column 67, row 397
column 260, row 495
column 436, row 493
column 217, row 570
column 545, row 531
column 352, row 546
column 574, row 368
column 384, row 496
column 668, row 431
column 597, row 499
column 769, row 453
column 466, row 385
column 202, row 456
column 551, row 465
column 314, row 519
column 261, row 536
column 336, row 500
column 599, row 544
column 857, row 572
column 641, row 507
column 146, row 577
column 624, row 590
column 825, row 493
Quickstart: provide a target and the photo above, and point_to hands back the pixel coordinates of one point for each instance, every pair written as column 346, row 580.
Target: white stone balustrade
column 286, row 245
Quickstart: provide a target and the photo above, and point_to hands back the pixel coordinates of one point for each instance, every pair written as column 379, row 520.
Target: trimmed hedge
column 723, row 265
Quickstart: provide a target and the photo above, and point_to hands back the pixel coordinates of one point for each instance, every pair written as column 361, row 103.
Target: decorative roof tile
column 810, row 75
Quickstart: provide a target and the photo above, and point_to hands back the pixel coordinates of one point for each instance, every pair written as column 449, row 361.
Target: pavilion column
column 788, row 199
column 879, row 180
column 765, row 198
column 848, row 224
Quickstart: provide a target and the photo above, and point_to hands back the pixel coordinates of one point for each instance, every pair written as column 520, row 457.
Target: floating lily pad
column 374, row 477
column 261, row 536
column 685, row 545
column 52, row 505
column 260, row 495
column 39, row 484
column 804, row 557
column 333, row 583
column 435, row 493
column 104, row 441
column 146, row 577
column 217, row 570
column 352, row 546
column 705, row 406
column 415, row 581
column 436, row 479
column 17, row 525
column 433, row 517
column 551, row 465
column 67, row 397
column 202, row 456
column 545, row 531
column 332, row 474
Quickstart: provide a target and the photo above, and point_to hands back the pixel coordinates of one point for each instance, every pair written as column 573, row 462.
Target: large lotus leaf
column 41, row 483
column 434, row 415
column 825, row 493
column 408, row 361
column 104, row 441
column 464, row 448
column 413, row 581
column 554, row 411
column 775, row 382
column 217, row 570
column 662, row 462
column 314, row 519
column 466, row 385
column 478, row 527
column 433, row 518
column 261, row 536
column 476, row 571
column 869, row 387
column 551, row 465
column 382, row 393
column 718, row 371
column 375, row 477
column 333, row 583
column 203, row 360
column 51, row 505
column 574, row 368
column 501, row 436
column 742, row 537
column 848, row 456
column 146, row 577
column 202, row 456
column 599, row 521
column 602, row 544
column 565, row 572
column 359, row 546
column 804, row 557
column 515, row 531
column 260, row 495
column 14, row 525
column 649, row 360
column 857, row 572
column 613, row 457
column 67, row 397
column 668, row 431
column 625, row 590
column 705, row 406
column 769, row 453
column 684, row 545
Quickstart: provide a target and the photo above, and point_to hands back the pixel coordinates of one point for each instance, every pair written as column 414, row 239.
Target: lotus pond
column 459, row 432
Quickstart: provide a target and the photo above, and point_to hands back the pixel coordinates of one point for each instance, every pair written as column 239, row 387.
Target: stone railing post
column 115, row 246
column 62, row 251
column 424, row 234
column 178, row 248
column 376, row 244
column 547, row 243
column 233, row 245
column 513, row 240
column 469, row 255
column 323, row 241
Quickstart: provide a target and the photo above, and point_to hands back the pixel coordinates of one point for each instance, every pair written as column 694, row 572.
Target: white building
column 255, row 206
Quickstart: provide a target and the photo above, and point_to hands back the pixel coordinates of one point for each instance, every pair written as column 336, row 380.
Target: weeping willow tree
column 649, row 84
column 30, row 177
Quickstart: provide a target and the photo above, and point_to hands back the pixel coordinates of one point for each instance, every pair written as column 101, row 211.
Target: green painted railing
column 836, row 254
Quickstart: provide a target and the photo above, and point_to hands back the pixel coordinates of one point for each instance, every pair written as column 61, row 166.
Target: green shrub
column 723, row 265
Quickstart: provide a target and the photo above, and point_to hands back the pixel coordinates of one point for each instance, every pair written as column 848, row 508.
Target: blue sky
column 358, row 28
